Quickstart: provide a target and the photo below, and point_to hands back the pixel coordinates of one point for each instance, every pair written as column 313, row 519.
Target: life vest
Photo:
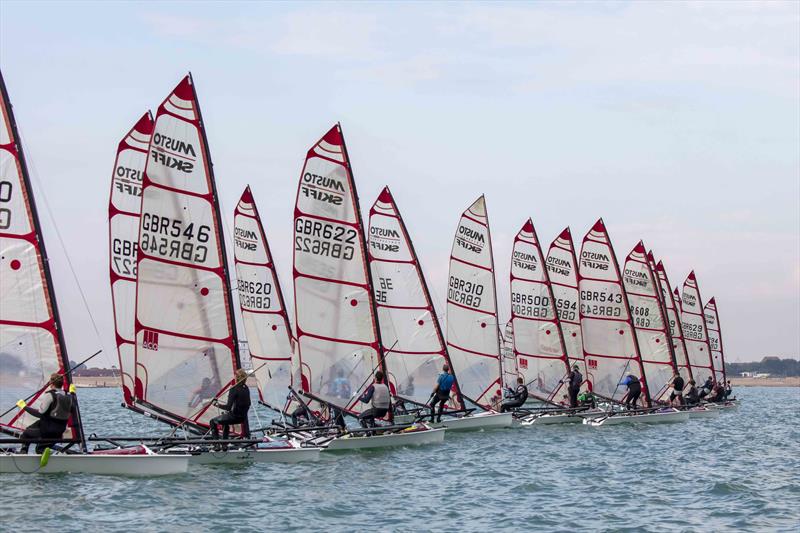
column 380, row 396
column 61, row 407
column 522, row 393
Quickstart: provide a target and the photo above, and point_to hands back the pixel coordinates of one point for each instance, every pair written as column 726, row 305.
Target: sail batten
column 31, row 337
column 538, row 340
column 186, row 345
column 473, row 332
column 338, row 339
column 410, row 331
column 611, row 349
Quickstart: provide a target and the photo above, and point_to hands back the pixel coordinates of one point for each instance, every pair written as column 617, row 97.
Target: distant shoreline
column 765, row 382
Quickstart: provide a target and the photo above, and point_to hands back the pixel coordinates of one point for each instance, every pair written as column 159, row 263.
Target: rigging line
column 43, row 195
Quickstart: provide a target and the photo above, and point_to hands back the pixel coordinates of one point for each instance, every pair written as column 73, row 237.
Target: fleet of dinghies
column 361, row 304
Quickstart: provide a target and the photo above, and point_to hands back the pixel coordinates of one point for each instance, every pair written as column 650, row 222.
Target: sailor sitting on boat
column 235, row 408
column 53, row 414
column 692, row 396
column 378, row 394
column 707, row 387
column 516, row 398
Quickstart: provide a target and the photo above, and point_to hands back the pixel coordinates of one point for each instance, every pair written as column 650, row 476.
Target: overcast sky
column 677, row 123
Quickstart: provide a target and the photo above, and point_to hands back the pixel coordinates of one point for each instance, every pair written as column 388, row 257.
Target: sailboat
column 186, row 345
column 338, row 338
column 31, row 335
column 473, row 330
column 695, row 332
column 715, row 339
column 610, row 343
column 412, row 338
column 673, row 320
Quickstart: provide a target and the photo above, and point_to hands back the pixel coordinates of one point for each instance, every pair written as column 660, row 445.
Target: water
column 738, row 471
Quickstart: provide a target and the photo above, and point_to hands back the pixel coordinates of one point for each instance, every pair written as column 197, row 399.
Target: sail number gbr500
column 324, row 239
column 174, row 239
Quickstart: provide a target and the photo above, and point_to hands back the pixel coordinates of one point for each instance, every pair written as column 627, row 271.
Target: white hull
column 559, row 418
column 646, row 418
column 733, row 404
column 703, row 412
column 477, row 421
column 413, row 438
column 121, row 465
column 274, row 455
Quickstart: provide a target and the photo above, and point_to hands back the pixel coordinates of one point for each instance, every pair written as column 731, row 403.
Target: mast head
column 639, row 248
column 691, row 276
column 599, row 226
column 247, row 195
column 184, row 89
column 386, row 196
column 528, row 226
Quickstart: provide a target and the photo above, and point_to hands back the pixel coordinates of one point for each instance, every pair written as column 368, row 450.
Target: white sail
column 562, row 267
column 264, row 317
column 412, row 338
column 715, row 339
column 537, row 338
column 124, row 208
column 337, row 332
column 694, row 331
column 507, row 358
column 651, row 328
column 473, row 333
column 186, row 347
column 610, row 346
column 31, row 340
column 672, row 306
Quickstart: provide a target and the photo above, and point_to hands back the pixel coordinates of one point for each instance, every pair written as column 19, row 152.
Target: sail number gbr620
column 174, row 239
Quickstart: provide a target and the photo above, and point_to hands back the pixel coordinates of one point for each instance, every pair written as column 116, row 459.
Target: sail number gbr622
column 174, row 239
column 321, row 238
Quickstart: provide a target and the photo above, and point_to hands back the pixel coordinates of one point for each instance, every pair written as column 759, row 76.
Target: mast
column 30, row 325
column 186, row 345
column 609, row 340
column 695, row 330
column 538, row 340
column 124, row 210
column 261, row 301
column 407, row 318
column 473, row 332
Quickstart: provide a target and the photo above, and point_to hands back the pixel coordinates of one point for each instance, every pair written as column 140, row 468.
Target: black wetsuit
column 516, row 400
column 634, row 391
column 677, row 389
column 575, row 380
column 237, row 406
column 46, row 427
column 692, row 397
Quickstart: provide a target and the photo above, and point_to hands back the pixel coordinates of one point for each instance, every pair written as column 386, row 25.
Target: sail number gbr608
column 174, row 239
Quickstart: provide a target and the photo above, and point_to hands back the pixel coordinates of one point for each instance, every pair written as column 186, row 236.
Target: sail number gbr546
column 174, row 239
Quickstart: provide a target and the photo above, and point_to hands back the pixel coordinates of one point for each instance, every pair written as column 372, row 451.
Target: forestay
column 473, row 332
column 672, row 306
column 31, row 340
column 562, row 268
column 337, row 331
column 124, row 208
column 610, row 346
column 649, row 322
column 537, row 338
column 715, row 339
column 186, row 347
column 410, row 332
column 694, row 330
column 266, row 323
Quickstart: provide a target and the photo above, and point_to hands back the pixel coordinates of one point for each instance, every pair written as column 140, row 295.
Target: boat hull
column 559, row 418
column 476, row 422
column 702, row 412
column 274, row 455
column 116, row 465
column 414, row 438
column 667, row 417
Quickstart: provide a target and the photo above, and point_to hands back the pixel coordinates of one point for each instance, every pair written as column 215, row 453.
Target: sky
column 678, row 123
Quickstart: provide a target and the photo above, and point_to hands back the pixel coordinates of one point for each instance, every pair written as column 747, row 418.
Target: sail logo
column 128, row 180
column 245, row 239
column 689, row 299
column 523, row 363
column 596, row 260
column 173, row 153
column 635, row 278
column 384, row 239
column 150, row 340
column 591, row 363
column 525, row 261
column 470, row 239
column 556, row 265
column 322, row 188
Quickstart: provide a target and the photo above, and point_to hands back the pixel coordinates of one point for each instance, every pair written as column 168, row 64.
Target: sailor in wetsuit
column 53, row 413
column 707, row 387
column 575, row 379
column 378, row 394
column 235, row 408
column 634, row 391
column 517, row 397
column 441, row 392
column 728, row 390
column 677, row 389
column 692, row 396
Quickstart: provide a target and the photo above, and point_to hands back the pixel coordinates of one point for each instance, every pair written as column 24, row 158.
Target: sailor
column 496, row 401
column 676, row 396
column 634, row 391
column 341, row 387
column 235, row 408
column 707, row 386
column 717, row 393
column 728, row 390
column 53, row 413
column 441, row 392
column 692, row 396
column 517, row 397
column 574, row 387
column 378, row 394
column 204, row 392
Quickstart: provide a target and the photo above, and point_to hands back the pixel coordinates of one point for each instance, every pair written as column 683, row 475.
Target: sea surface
column 738, row 472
